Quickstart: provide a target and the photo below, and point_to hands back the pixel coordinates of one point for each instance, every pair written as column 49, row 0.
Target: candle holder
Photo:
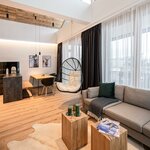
column 77, row 110
column 69, row 113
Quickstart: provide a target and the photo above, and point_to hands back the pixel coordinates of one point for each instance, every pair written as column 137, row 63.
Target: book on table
column 109, row 127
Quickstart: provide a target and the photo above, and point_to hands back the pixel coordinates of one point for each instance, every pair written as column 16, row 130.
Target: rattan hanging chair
column 71, row 76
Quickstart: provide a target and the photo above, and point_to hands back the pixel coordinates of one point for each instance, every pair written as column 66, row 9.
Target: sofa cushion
column 146, row 129
column 107, row 90
column 119, row 92
column 130, row 115
column 87, row 101
column 137, row 97
column 93, row 92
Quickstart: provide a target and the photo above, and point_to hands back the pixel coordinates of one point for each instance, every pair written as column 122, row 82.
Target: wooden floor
column 17, row 118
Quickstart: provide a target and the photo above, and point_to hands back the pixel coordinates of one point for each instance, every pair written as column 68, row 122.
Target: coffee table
column 75, row 131
column 101, row 141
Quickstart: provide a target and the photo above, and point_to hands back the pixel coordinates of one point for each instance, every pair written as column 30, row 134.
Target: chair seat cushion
column 146, row 129
column 68, row 87
column 130, row 115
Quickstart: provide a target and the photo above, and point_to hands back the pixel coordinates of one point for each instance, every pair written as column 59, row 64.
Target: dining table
column 39, row 77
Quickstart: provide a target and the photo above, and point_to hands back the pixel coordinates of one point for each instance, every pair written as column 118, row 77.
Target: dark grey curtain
column 59, row 62
column 91, row 57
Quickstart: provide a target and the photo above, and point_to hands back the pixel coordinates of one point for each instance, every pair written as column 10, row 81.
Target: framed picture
column 33, row 61
column 46, row 61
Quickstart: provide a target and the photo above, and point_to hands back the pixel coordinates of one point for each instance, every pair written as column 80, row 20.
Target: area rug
column 48, row 137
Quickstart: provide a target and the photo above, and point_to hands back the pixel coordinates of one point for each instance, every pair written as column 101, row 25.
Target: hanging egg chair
column 71, row 76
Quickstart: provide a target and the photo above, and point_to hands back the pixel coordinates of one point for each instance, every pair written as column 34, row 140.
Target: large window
column 126, row 48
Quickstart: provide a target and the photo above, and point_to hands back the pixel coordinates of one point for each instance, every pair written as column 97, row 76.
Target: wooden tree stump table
column 75, row 131
column 101, row 141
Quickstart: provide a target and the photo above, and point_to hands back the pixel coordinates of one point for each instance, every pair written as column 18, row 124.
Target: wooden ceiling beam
column 19, row 15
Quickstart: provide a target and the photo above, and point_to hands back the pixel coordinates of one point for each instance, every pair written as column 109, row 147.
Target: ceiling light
column 87, row 1
column 24, row 42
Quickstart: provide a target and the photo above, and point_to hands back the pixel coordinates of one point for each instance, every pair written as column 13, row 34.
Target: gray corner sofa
column 132, row 111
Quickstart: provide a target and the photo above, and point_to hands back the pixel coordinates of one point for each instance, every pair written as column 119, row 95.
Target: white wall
column 68, row 30
column 26, row 32
column 69, row 8
column 19, row 44
column 105, row 8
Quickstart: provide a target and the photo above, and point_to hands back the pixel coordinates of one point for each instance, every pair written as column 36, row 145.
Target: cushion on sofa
column 130, row 115
column 107, row 90
column 138, row 97
column 93, row 92
column 119, row 92
column 146, row 129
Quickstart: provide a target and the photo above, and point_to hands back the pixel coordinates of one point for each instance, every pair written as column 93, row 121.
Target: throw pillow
column 107, row 90
column 93, row 92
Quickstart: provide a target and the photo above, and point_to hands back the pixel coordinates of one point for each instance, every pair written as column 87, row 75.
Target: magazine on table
column 109, row 127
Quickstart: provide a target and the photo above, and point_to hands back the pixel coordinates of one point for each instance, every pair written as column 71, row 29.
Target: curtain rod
column 90, row 25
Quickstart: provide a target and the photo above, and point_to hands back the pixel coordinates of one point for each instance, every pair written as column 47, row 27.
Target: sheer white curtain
column 72, row 48
column 118, row 49
column 143, row 43
column 126, row 47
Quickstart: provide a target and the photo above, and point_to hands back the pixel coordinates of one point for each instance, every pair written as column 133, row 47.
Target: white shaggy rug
column 48, row 137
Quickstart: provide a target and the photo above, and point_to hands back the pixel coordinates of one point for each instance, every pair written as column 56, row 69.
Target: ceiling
column 24, row 16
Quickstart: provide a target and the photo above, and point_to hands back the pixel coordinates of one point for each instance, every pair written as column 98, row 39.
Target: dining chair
column 54, row 75
column 48, row 83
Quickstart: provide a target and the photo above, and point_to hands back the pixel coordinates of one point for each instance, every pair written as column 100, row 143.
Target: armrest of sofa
column 84, row 96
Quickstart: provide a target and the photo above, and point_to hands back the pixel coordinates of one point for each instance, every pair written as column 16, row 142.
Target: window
column 126, row 48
